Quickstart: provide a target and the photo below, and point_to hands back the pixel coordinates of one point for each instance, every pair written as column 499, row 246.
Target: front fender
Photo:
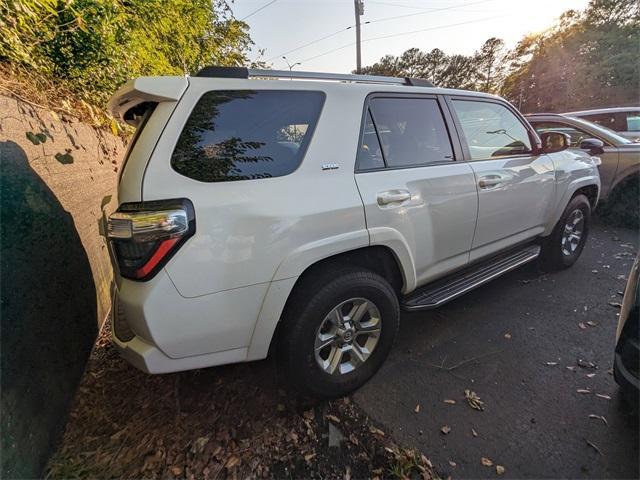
column 572, row 187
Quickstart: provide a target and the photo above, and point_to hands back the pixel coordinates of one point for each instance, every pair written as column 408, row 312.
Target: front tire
column 337, row 331
column 563, row 247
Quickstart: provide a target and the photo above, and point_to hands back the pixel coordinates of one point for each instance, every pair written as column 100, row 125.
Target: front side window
column 576, row 135
column 244, row 134
column 404, row 132
column 491, row 130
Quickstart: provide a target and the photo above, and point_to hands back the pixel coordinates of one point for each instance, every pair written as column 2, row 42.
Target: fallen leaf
column 590, row 375
column 445, row 429
column 499, row 469
column 376, row 431
column 594, row 446
column 599, row 417
column 353, row 439
column 583, row 390
column 507, row 336
column 486, row 462
column 615, row 304
column 452, row 463
column 606, row 397
column 582, row 325
column 417, row 409
column 176, row 471
column 309, row 456
column 591, row 323
column 199, row 444
column 551, row 364
column 333, row 418
column 474, row 433
column 232, row 462
column 571, row 368
column 474, row 400
column 450, row 402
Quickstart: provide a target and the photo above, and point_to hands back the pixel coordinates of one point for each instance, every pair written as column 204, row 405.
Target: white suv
column 301, row 215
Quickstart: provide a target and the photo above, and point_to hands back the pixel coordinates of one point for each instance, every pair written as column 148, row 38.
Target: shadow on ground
column 48, row 315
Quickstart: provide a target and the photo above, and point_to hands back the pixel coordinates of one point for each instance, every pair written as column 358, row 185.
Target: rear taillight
column 144, row 236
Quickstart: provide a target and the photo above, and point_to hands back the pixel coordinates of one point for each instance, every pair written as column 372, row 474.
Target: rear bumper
column 150, row 359
column 159, row 331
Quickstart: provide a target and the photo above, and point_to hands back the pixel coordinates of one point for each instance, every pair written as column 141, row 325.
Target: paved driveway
column 525, row 344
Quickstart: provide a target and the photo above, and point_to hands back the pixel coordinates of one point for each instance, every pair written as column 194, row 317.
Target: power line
column 310, row 43
column 259, row 9
column 384, row 19
column 401, row 34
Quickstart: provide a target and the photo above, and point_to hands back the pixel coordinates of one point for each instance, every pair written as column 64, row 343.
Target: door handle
column 393, row 196
column 490, row 181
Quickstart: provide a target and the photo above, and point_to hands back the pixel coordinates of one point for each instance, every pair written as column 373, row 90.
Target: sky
column 281, row 27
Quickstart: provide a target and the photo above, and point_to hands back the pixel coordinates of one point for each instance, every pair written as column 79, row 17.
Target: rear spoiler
column 145, row 89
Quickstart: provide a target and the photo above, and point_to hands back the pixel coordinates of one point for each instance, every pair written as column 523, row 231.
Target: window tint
column 370, row 152
column 242, row 135
column 633, row 122
column 491, row 129
column 411, row 130
column 614, row 121
column 575, row 134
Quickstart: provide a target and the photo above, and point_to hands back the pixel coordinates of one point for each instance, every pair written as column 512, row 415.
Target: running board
column 441, row 291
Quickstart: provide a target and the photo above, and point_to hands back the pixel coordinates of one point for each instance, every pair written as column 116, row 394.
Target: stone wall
column 55, row 172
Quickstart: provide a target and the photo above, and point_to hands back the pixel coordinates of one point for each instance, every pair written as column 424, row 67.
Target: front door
column 516, row 186
column 417, row 196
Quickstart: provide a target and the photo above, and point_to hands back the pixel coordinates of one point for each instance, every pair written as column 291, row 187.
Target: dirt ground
column 228, row 422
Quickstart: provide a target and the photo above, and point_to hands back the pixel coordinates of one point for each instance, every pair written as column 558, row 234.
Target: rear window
column 246, row 134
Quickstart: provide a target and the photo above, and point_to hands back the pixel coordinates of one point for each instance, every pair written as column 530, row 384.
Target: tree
column 95, row 45
column 489, row 65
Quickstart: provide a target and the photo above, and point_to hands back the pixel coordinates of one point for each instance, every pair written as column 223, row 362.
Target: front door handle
column 393, row 196
column 490, row 181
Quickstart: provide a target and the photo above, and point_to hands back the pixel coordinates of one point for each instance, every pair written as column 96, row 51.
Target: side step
column 441, row 291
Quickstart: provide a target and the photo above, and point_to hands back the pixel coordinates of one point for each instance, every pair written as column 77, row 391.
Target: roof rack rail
column 243, row 72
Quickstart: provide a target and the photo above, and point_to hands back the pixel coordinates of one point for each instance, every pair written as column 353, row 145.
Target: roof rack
column 243, row 72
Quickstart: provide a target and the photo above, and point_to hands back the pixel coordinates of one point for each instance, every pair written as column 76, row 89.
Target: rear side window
column 491, row 130
column 246, row 134
column 633, row 122
column 404, row 132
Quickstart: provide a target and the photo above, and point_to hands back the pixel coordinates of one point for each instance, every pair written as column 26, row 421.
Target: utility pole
column 359, row 10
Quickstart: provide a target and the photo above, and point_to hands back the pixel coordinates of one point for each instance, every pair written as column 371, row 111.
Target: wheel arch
column 588, row 186
column 376, row 258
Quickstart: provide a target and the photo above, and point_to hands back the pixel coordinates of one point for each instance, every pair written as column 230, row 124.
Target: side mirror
column 554, row 141
column 592, row 145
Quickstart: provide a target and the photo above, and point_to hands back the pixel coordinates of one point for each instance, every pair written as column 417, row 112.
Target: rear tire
column 355, row 314
column 563, row 247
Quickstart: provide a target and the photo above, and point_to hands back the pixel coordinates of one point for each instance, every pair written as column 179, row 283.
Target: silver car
column 624, row 120
column 620, row 169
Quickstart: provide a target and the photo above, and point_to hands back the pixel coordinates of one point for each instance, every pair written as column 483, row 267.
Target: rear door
column 515, row 184
column 418, row 195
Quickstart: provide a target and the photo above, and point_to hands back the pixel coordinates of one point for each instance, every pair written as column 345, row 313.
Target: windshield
column 613, row 135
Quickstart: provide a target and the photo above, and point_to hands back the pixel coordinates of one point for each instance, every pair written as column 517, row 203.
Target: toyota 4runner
column 300, row 212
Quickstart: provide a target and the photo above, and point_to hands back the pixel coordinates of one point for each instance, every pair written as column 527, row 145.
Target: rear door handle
column 490, row 181
column 393, row 196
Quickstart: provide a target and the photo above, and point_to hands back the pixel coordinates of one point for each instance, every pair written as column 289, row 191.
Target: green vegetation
column 588, row 59
column 93, row 46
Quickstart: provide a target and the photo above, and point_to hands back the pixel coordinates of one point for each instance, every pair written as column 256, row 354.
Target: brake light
column 144, row 236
